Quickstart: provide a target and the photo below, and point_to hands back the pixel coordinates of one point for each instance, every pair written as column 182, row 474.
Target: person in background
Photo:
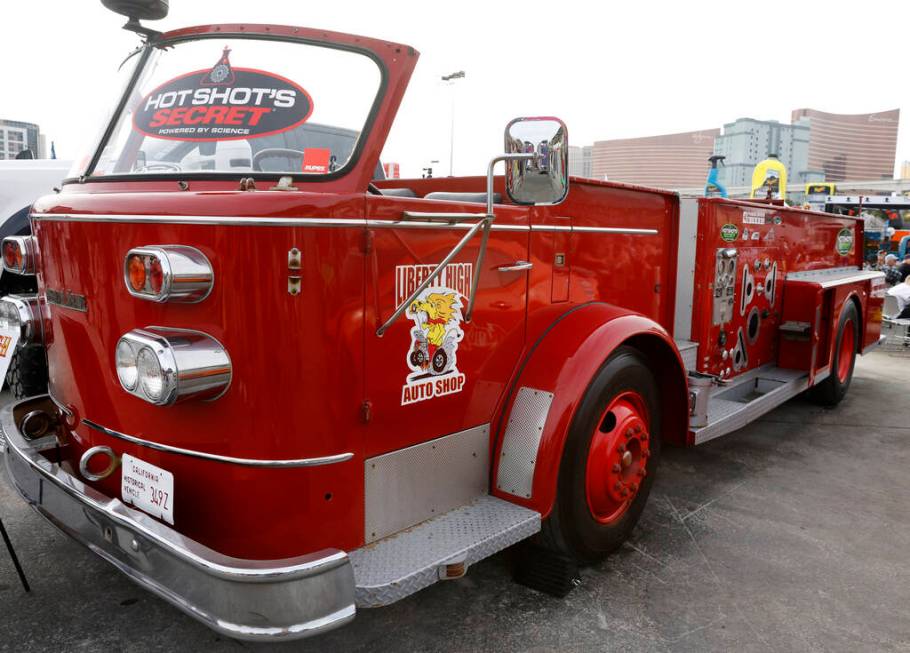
column 904, row 268
column 889, row 267
column 901, row 292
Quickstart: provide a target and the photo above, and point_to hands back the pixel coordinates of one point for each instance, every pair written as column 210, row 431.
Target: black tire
column 27, row 373
column 571, row 529
column 830, row 391
column 416, row 358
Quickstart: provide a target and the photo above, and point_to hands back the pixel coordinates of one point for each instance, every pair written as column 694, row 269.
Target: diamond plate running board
column 401, row 564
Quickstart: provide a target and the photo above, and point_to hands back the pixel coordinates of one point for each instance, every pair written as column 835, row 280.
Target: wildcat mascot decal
column 432, row 356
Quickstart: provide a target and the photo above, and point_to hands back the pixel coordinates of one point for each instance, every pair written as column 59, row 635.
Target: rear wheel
column 609, row 461
column 830, row 391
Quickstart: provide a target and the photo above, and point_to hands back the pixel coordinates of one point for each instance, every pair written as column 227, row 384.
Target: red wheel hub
column 618, row 456
column 845, row 354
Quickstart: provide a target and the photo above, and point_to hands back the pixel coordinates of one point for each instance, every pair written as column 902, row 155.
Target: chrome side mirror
column 544, row 177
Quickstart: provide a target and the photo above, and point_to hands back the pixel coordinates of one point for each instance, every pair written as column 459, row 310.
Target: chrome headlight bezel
column 24, row 312
column 193, row 365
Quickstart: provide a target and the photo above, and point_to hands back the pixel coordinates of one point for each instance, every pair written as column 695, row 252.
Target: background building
column 581, row 162
column 905, row 170
column 855, row 147
column 16, row 136
column 666, row 161
column 746, row 142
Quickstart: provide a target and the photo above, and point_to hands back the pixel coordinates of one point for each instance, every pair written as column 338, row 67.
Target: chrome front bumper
column 264, row 600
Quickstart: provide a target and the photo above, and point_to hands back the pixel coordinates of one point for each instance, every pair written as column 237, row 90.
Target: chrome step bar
column 747, row 397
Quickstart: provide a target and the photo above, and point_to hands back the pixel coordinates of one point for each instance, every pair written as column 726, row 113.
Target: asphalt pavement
column 792, row 534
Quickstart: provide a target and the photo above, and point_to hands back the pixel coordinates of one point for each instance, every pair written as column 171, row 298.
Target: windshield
column 240, row 105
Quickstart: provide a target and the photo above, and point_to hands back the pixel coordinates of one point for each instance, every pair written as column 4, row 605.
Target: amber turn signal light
column 20, row 254
column 168, row 273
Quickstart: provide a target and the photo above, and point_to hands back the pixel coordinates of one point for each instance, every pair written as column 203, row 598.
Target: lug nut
column 638, row 428
column 624, row 492
column 616, row 468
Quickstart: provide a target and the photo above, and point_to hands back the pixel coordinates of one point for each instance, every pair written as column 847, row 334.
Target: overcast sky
column 608, row 69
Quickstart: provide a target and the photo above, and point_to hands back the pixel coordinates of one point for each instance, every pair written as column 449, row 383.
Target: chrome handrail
column 485, row 222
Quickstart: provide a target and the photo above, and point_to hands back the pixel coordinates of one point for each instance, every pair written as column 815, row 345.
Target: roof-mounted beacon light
column 136, row 10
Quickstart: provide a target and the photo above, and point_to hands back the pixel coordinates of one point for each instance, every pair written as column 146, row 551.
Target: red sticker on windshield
column 221, row 104
column 316, row 159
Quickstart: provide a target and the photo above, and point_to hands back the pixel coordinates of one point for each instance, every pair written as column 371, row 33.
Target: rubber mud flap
column 545, row 570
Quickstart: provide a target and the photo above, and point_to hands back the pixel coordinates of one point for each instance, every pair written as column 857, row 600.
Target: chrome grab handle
column 517, row 266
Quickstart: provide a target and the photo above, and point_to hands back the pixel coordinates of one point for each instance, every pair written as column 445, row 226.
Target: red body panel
column 794, row 239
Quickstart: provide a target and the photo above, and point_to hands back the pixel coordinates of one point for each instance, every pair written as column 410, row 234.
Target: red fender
column 564, row 359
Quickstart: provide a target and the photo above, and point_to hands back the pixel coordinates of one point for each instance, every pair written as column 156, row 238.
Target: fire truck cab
column 281, row 390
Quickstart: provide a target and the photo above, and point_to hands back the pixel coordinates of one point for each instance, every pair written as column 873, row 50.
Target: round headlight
column 126, row 365
column 151, row 376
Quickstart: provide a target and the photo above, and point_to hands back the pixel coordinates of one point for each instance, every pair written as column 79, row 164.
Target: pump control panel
column 724, row 285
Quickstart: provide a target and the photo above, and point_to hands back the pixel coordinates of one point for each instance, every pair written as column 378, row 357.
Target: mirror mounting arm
column 492, row 164
column 150, row 35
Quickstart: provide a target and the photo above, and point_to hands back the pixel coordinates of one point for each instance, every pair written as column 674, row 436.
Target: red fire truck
column 281, row 390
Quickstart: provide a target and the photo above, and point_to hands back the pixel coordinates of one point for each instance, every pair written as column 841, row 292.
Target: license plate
column 9, row 336
column 147, row 487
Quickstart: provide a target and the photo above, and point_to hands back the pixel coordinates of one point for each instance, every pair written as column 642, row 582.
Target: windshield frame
column 145, row 53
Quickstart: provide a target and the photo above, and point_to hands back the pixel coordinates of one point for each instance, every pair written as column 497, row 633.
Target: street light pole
column 451, row 81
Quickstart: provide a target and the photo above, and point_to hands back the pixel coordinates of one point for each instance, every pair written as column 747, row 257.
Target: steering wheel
column 160, row 165
column 274, row 152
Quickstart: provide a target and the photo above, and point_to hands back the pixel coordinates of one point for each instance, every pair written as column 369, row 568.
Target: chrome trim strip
column 616, row 230
column 417, row 224
column 234, row 221
column 550, row 227
column 203, row 220
column 249, row 462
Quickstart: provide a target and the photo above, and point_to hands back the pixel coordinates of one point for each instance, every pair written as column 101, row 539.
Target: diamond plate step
column 399, row 565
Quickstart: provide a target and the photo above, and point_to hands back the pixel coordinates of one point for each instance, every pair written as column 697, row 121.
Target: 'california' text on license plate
column 148, row 487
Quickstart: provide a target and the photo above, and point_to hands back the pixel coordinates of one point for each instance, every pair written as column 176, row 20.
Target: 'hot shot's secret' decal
column 223, row 103
column 437, row 316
